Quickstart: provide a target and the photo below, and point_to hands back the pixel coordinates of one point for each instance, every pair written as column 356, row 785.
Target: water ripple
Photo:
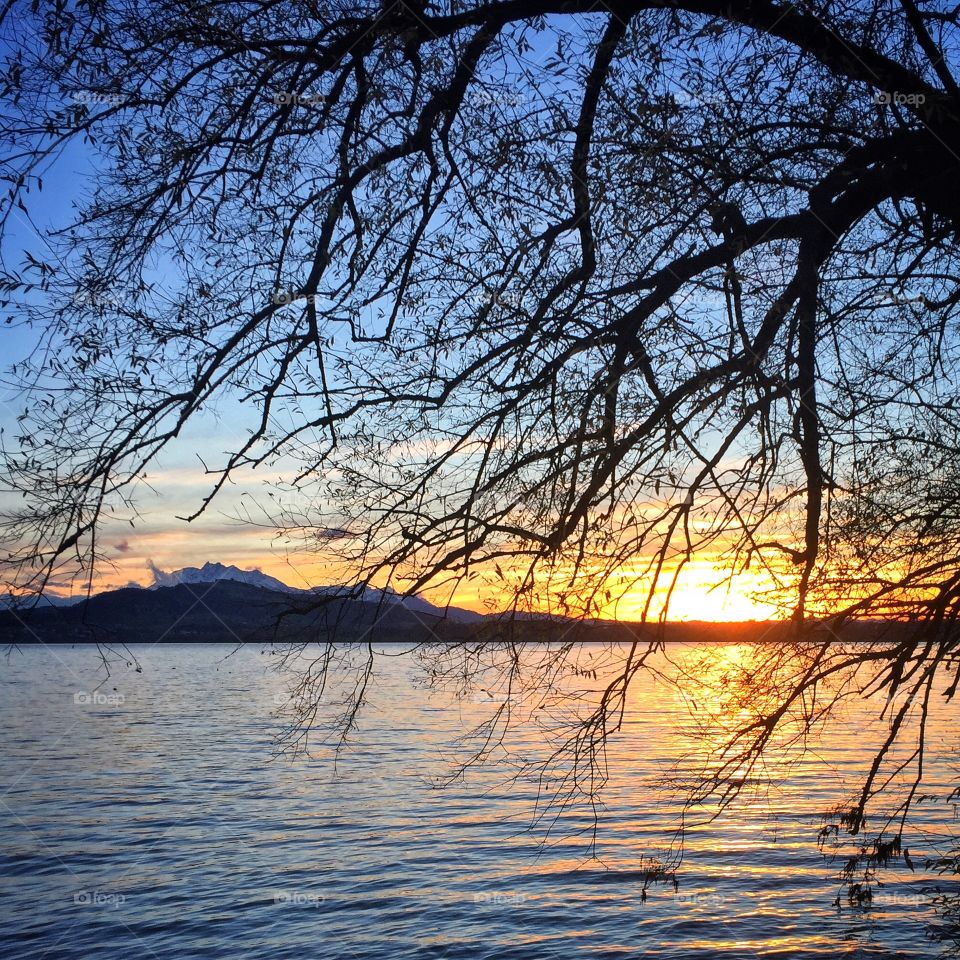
column 161, row 828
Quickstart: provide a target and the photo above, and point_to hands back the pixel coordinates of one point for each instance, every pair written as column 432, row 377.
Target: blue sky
column 178, row 476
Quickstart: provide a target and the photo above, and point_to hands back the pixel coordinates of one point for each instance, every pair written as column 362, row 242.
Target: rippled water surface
column 147, row 819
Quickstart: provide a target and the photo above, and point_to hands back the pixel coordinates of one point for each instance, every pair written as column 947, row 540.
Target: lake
column 150, row 817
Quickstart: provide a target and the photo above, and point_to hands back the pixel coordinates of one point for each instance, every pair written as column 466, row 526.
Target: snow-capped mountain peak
column 211, row 572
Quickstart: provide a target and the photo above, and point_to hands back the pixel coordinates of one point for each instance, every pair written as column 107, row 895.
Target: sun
column 702, row 592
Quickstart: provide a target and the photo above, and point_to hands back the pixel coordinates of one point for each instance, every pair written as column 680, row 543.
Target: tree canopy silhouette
column 559, row 293
column 565, row 292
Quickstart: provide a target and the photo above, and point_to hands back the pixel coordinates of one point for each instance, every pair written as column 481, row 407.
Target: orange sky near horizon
column 700, row 593
column 233, row 532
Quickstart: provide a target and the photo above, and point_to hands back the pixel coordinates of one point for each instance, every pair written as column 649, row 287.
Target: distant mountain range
column 214, row 572
column 217, row 602
column 47, row 600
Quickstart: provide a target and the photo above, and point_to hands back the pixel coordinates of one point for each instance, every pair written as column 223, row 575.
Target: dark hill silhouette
column 234, row 611
column 225, row 610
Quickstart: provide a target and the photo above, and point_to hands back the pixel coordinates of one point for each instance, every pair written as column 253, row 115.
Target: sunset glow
column 701, row 593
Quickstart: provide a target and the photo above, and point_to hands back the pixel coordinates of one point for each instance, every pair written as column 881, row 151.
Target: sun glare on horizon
column 702, row 592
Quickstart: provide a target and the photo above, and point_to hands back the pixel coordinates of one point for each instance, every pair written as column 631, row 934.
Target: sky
column 177, row 483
